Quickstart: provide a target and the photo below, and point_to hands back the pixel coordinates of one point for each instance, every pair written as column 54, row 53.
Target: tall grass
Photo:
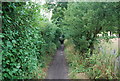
column 99, row 66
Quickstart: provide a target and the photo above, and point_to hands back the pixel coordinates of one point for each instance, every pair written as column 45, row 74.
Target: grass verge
column 99, row 66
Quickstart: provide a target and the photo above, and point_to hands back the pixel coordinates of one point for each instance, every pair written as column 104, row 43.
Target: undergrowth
column 98, row 66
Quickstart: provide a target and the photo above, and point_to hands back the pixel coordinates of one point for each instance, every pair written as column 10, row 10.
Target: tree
column 84, row 21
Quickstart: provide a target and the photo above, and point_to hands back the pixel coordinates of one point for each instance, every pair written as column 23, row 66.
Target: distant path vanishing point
column 58, row 68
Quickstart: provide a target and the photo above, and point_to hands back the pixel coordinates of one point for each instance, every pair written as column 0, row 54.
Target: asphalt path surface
column 58, row 68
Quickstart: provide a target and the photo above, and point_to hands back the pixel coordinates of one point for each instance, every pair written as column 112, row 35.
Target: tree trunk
column 110, row 33
column 91, row 48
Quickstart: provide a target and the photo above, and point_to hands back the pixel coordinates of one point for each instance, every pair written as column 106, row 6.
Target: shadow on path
column 58, row 68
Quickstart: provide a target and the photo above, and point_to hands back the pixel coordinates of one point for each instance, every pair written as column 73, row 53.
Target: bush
column 26, row 40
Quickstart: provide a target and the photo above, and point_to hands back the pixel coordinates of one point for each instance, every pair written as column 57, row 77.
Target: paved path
column 58, row 68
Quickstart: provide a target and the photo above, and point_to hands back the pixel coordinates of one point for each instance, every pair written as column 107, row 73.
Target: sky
column 39, row 1
column 47, row 14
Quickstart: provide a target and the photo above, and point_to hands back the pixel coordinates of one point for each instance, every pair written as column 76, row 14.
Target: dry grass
column 81, row 76
column 110, row 47
column 73, row 59
column 103, row 58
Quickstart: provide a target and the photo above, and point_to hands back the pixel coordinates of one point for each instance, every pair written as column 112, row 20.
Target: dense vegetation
column 99, row 66
column 28, row 40
column 82, row 23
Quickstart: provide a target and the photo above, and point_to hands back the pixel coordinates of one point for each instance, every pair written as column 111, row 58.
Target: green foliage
column 84, row 21
column 58, row 12
column 27, row 39
column 98, row 66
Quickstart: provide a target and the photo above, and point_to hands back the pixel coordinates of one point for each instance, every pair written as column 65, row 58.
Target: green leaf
column 1, row 35
column 14, row 41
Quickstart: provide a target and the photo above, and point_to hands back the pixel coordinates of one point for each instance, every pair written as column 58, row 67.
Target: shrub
column 26, row 40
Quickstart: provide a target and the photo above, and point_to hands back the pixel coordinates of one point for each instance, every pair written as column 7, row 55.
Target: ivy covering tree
column 27, row 40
